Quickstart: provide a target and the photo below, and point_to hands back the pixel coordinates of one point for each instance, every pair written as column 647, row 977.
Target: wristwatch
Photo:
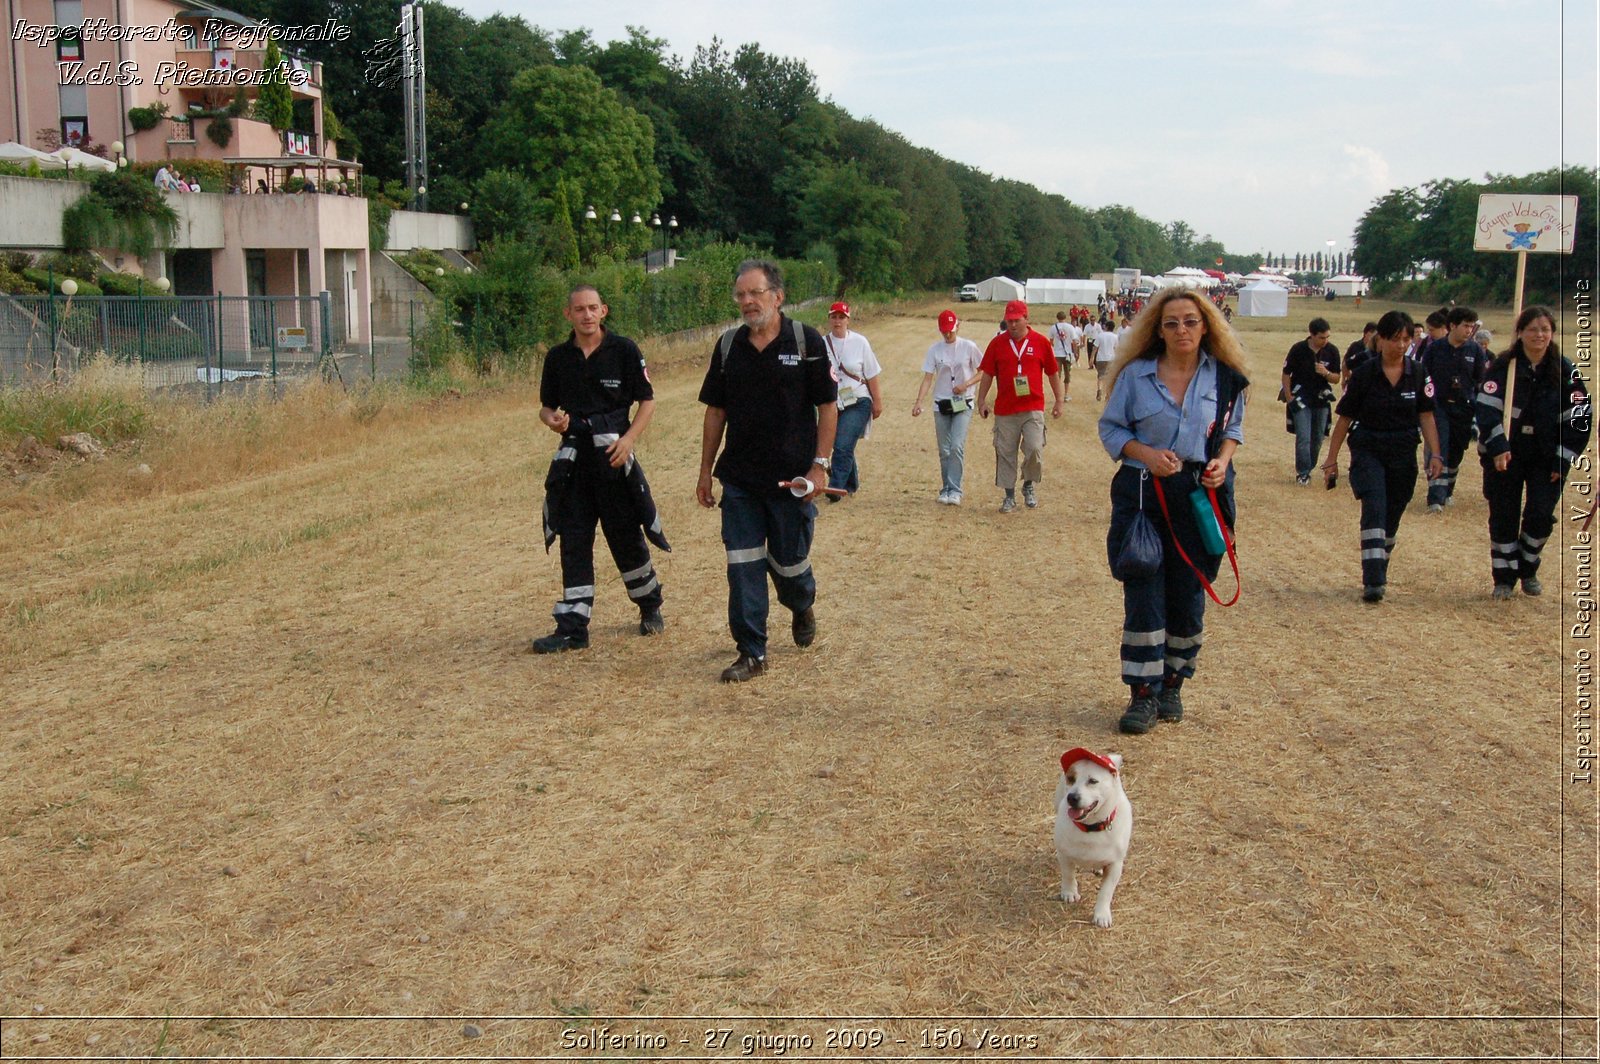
column 826, row 464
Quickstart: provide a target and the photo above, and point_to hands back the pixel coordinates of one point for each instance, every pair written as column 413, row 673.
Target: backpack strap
column 1230, row 383
column 725, row 344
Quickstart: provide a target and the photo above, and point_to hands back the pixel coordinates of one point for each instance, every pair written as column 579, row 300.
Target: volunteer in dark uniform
column 771, row 389
column 1359, row 351
column 1523, row 475
column 1389, row 399
column 589, row 383
column 1455, row 364
column 1309, row 372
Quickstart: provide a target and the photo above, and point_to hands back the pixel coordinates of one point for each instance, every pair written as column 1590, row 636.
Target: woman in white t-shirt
column 1105, row 352
column 860, row 402
column 951, row 369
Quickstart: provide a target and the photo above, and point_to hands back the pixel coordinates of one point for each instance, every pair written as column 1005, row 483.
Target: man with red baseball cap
column 1021, row 360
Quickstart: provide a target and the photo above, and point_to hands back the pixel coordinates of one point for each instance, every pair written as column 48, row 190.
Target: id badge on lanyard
column 1020, row 381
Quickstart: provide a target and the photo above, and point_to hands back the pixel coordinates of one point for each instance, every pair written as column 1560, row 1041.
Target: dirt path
column 275, row 748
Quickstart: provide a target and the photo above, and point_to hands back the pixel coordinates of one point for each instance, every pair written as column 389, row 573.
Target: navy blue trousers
column 1383, row 481
column 1454, row 424
column 1522, row 514
column 765, row 532
column 598, row 494
column 1163, row 615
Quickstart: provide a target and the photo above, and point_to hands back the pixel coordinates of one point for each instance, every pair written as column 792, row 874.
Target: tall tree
column 560, row 122
column 275, row 104
column 859, row 219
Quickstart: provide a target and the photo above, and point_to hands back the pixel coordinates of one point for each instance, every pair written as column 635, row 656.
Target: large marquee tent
column 1263, row 299
column 1064, row 290
column 1000, row 289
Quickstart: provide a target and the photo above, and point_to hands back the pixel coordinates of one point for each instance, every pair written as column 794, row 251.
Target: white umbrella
column 12, row 152
column 82, row 160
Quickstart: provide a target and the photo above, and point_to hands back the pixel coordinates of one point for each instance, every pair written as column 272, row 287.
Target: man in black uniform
column 1455, row 363
column 1309, row 372
column 771, row 387
column 589, row 384
column 1359, row 351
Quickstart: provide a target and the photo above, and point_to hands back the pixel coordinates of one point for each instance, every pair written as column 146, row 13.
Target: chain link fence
column 209, row 342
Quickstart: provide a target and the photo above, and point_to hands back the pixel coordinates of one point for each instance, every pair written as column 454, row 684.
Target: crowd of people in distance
column 171, row 179
column 786, row 407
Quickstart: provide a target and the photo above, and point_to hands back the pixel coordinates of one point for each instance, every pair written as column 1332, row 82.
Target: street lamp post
column 588, row 216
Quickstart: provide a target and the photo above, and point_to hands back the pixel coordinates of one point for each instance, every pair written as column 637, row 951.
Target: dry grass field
column 276, row 759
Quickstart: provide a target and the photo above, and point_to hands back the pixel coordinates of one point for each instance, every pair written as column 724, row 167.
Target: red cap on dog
column 1078, row 753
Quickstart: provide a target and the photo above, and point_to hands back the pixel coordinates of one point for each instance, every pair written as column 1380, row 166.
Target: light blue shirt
column 1141, row 408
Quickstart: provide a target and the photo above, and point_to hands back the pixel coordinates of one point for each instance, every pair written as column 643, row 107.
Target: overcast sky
column 1268, row 124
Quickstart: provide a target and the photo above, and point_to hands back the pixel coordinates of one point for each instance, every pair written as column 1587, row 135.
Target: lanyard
column 1019, row 352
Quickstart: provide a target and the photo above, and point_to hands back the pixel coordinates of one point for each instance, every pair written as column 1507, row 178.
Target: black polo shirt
column 1386, row 413
column 771, row 398
column 1456, row 371
column 613, row 378
column 1301, row 366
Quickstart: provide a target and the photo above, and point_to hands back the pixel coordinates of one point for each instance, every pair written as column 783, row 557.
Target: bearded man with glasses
column 771, row 389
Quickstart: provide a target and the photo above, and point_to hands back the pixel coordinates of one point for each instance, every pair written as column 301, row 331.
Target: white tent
column 1000, row 290
column 1064, row 290
column 1187, row 277
column 1263, row 299
column 1346, row 285
column 1274, row 278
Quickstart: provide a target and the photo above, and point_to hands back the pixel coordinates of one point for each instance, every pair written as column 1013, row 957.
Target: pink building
column 74, row 69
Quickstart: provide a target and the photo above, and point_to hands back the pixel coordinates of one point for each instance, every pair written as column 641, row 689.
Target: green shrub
column 121, row 210
column 116, row 283
column 220, row 131
column 43, row 279
column 143, row 118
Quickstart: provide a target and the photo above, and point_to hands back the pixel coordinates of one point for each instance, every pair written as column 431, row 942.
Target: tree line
column 531, row 129
column 1433, row 225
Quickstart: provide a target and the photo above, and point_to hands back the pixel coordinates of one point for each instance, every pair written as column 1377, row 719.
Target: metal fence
column 208, row 342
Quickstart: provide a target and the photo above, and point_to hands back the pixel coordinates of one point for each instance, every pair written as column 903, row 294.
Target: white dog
column 1094, row 823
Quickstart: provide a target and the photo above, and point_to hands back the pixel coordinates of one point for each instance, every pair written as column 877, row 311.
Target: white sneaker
column 955, row 498
column 944, row 498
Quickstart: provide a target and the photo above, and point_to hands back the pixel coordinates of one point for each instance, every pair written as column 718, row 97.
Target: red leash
column 1226, row 538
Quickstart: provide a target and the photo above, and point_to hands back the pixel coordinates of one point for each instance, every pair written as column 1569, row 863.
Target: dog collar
column 1081, row 826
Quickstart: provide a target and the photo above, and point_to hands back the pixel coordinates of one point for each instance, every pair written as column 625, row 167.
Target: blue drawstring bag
column 1141, row 551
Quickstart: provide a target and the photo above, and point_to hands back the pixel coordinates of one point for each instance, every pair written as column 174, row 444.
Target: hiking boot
column 1140, row 716
column 1531, row 586
column 804, row 627
column 1169, row 705
column 1372, row 593
column 1503, row 592
column 744, row 668
column 651, row 622
column 1302, row 479
column 1436, row 507
column 1009, row 505
column 1028, row 494
column 560, row 642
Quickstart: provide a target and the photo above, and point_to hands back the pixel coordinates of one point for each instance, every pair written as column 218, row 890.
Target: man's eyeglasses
column 740, row 295
column 1187, row 324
